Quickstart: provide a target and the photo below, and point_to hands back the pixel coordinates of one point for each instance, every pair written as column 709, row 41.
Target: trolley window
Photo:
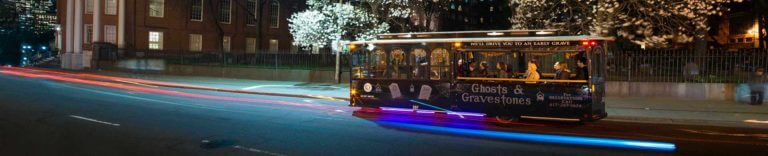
column 545, row 66
column 440, row 64
column 369, row 64
column 400, row 67
column 420, row 63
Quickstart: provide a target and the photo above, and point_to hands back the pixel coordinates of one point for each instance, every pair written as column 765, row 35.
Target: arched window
column 378, row 64
column 440, row 64
column 420, row 63
column 399, row 64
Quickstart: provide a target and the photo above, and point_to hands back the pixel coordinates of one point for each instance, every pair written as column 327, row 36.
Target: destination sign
column 522, row 43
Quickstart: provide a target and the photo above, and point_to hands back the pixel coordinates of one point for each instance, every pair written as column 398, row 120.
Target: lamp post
column 338, row 58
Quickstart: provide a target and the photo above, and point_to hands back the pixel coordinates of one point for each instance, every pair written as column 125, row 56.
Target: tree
column 574, row 16
column 325, row 22
column 393, row 12
column 425, row 12
column 649, row 23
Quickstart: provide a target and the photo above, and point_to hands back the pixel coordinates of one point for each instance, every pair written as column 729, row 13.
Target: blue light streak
column 460, row 114
column 545, row 138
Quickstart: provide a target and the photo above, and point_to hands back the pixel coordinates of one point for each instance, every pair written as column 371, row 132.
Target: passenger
column 472, row 71
column 462, row 69
column 381, row 69
column 501, row 70
column 582, row 73
column 532, row 73
column 483, row 71
column 561, row 71
column 421, row 71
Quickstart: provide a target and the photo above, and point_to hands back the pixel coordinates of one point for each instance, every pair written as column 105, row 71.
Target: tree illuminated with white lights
column 651, row 23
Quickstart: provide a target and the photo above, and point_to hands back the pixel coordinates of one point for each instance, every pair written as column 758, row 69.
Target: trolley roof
column 479, row 36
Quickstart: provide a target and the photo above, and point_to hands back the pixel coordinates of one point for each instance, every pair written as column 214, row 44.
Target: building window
column 274, row 14
column 195, row 42
column 196, row 13
column 155, row 40
column 88, row 6
column 110, row 34
column 225, row 11
column 250, row 46
column 252, row 7
column 156, row 8
column 273, row 46
column 111, row 8
column 88, row 36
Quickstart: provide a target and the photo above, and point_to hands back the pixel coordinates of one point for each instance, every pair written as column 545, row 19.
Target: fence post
column 629, row 68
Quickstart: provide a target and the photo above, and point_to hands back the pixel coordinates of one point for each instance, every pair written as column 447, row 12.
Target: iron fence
column 279, row 60
column 713, row 66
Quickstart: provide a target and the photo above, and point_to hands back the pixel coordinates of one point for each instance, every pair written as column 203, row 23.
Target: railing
column 714, row 66
column 278, row 60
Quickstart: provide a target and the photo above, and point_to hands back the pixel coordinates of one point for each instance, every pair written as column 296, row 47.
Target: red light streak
column 159, row 91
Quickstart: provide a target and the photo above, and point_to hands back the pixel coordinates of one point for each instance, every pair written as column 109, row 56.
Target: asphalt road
column 41, row 115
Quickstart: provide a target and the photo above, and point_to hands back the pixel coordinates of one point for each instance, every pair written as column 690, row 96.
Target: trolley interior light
column 457, row 44
column 544, row 33
column 495, row 34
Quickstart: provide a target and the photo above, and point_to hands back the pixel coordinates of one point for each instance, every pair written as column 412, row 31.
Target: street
column 47, row 114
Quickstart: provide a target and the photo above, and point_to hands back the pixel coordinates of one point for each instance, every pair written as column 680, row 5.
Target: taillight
column 588, row 43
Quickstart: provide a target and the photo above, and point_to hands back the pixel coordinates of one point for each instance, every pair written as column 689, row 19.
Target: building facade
column 186, row 26
column 476, row 15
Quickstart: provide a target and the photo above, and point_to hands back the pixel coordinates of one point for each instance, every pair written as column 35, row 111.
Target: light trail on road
column 162, row 91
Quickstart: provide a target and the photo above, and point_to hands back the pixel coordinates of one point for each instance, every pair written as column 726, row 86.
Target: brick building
column 192, row 26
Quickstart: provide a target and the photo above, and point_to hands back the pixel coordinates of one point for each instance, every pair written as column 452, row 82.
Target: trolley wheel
column 505, row 119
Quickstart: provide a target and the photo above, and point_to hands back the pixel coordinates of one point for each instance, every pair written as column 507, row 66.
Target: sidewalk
column 625, row 109
column 674, row 111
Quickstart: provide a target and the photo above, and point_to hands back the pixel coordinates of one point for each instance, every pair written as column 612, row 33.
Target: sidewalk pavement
column 697, row 112
column 625, row 109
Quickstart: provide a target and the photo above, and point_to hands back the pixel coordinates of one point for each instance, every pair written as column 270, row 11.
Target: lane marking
column 159, row 101
column 257, row 150
column 145, row 99
column 94, row 120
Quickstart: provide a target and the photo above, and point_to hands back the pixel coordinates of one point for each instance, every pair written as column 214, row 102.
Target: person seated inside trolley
column 532, row 73
column 462, row 69
column 502, row 71
column 483, row 70
column 381, row 69
column 561, row 71
column 582, row 73
column 472, row 72
column 421, row 71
